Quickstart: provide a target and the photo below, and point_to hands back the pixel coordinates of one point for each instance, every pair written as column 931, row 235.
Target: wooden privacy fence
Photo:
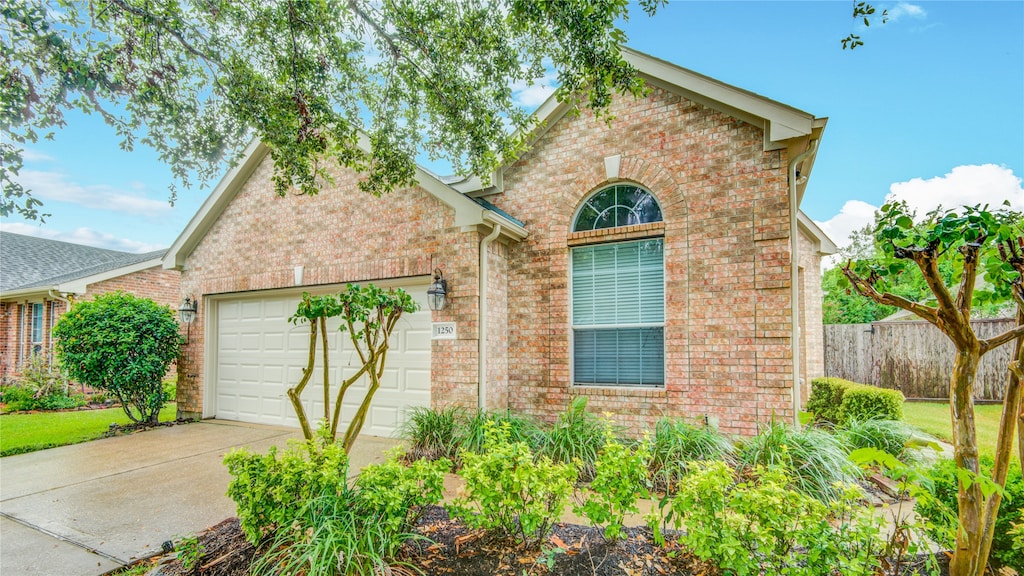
column 913, row 357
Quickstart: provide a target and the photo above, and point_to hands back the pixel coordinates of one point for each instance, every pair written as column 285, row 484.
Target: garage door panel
column 260, row 355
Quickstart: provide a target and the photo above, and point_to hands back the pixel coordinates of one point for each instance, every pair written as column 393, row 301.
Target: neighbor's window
column 37, row 328
column 618, row 295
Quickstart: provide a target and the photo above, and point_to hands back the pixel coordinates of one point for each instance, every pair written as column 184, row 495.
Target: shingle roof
column 29, row 262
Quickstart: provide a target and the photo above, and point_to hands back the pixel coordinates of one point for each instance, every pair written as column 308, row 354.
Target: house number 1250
column 443, row 331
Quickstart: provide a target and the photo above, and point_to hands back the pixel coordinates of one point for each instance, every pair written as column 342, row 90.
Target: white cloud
column 964, row 185
column 30, row 155
column 906, row 9
column 84, row 236
column 55, row 186
column 533, row 95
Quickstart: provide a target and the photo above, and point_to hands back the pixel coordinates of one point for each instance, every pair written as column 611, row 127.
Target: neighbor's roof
column 30, row 265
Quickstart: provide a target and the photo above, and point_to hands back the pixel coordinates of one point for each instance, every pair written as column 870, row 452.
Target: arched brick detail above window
column 643, row 173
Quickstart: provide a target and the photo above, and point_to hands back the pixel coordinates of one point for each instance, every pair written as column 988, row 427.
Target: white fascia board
column 783, row 122
column 211, row 209
column 26, row 293
column 822, row 242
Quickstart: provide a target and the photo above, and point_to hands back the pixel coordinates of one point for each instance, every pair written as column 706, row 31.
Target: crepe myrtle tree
column 978, row 241
column 369, row 315
column 121, row 344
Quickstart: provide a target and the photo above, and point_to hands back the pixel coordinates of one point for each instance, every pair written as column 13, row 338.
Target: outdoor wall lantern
column 188, row 311
column 437, row 294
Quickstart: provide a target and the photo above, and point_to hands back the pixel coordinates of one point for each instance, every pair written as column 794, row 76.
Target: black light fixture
column 188, row 310
column 437, row 294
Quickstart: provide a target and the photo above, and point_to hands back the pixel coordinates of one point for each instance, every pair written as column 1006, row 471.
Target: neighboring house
column 647, row 264
column 39, row 277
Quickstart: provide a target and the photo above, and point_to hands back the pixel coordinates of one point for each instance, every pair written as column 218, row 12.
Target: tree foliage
column 369, row 315
column 122, row 344
column 363, row 84
column 976, row 242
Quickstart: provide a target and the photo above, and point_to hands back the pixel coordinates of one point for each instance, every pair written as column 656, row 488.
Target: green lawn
column 933, row 418
column 21, row 433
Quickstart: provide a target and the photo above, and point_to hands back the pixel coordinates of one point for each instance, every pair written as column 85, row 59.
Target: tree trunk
column 966, row 559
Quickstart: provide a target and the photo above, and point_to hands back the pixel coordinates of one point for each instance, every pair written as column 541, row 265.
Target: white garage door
column 259, row 355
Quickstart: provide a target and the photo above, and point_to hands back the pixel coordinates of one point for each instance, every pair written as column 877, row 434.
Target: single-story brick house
column 658, row 265
column 39, row 277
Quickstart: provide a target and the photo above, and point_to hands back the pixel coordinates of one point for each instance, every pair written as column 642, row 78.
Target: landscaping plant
column 576, row 437
column 473, row 433
column 433, row 433
column 620, row 478
column 762, row 526
column 889, row 436
column 511, row 492
column 675, row 443
column 397, row 494
column 815, row 460
column 39, row 386
column 976, row 241
column 123, row 345
column 369, row 315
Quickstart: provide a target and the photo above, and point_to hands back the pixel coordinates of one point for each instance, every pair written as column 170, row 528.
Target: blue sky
column 930, row 110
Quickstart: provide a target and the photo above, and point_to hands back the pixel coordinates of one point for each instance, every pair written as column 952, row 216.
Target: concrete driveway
column 89, row 508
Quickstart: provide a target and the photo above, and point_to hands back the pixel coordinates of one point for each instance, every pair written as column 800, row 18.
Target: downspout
column 794, row 274
column 481, row 393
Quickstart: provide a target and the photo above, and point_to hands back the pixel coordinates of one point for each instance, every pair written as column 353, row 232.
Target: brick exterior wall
column 812, row 345
column 727, row 265
column 162, row 286
column 341, row 235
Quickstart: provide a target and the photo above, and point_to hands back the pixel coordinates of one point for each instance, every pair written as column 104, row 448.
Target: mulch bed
column 451, row 549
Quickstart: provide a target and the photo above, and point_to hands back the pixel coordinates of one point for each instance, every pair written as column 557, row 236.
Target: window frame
column 602, row 236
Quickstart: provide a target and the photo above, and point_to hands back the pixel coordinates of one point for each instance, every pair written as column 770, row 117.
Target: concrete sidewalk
column 87, row 508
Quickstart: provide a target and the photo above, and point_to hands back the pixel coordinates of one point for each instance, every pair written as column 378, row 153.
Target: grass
column 933, row 418
column 20, row 433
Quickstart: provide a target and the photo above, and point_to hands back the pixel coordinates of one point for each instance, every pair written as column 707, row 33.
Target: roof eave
column 81, row 285
column 822, row 243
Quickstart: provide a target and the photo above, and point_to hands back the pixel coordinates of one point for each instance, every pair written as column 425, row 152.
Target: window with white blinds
column 618, row 313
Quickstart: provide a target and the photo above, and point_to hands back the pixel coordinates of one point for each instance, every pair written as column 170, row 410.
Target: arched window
column 622, row 205
column 618, row 294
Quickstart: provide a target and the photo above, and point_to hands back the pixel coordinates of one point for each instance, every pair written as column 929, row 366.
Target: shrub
column 889, row 436
column 620, row 478
column 761, row 526
column 870, row 403
column 39, row 386
column 170, row 387
column 815, row 460
column 941, row 512
column 121, row 344
column 508, row 491
column 269, row 491
column 676, row 443
column 472, row 434
column 433, row 433
column 836, row 401
column 576, row 437
column 397, row 494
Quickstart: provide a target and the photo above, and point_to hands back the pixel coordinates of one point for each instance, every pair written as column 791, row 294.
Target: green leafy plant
column 675, row 443
column 190, row 551
column 906, row 538
column 397, row 493
column 889, row 436
column 473, row 434
column 815, row 459
column 576, row 437
column 433, row 433
column 620, row 478
column 836, row 401
column 39, row 386
column 121, row 344
column 762, row 526
column 509, row 491
column 939, row 510
column 269, row 490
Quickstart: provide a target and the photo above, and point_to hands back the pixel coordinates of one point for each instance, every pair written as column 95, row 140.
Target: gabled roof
column 784, row 126
column 30, row 265
column 467, row 211
column 822, row 243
